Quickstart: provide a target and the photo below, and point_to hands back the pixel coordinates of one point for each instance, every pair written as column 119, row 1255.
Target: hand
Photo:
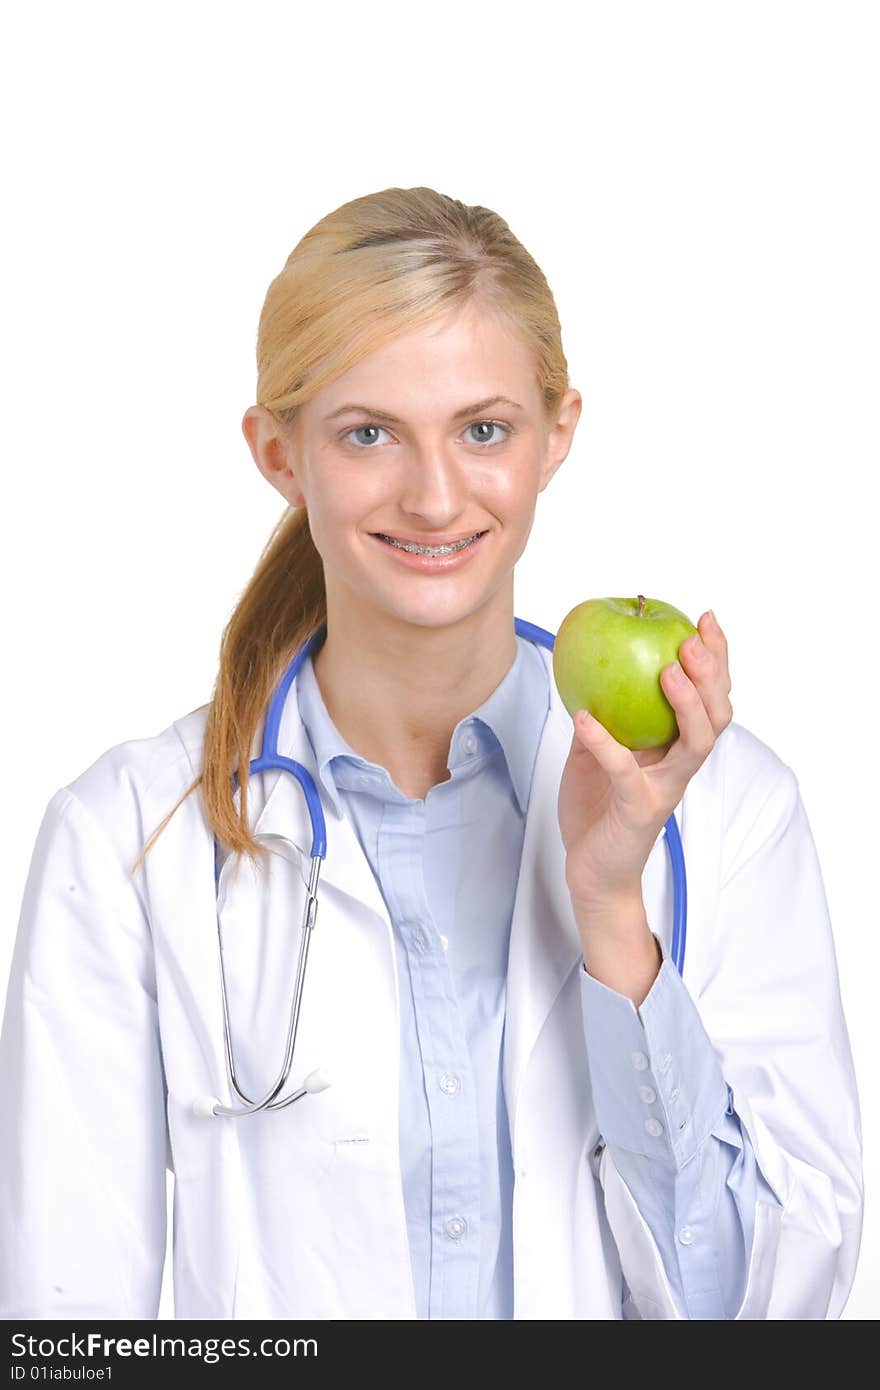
column 613, row 802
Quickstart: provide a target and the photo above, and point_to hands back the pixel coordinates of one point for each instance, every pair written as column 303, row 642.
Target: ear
column 560, row 436
column 271, row 453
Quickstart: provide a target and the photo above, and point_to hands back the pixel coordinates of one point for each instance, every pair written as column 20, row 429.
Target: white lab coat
column 114, row 1025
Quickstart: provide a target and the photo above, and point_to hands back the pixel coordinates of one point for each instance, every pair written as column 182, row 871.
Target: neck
column 396, row 690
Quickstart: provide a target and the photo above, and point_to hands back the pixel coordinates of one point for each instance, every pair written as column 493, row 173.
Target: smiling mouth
column 430, row 549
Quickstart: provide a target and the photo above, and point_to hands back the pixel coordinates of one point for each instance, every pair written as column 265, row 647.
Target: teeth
column 432, row 549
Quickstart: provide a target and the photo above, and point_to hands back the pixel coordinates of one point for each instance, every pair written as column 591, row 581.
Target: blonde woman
column 531, row 1113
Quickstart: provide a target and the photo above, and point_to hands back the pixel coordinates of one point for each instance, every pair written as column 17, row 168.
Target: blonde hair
column 377, row 267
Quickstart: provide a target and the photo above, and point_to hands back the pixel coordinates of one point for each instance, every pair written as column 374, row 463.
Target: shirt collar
column 513, row 717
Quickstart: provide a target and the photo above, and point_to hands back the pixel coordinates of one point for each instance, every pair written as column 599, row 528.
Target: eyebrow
column 472, row 409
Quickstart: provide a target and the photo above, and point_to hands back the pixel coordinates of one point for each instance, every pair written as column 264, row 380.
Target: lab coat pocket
column 284, row 1198
column 368, row 1246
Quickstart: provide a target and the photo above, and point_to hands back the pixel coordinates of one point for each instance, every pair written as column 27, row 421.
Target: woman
column 531, row 1113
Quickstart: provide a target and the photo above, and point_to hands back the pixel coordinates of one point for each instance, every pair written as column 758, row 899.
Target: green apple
column 607, row 659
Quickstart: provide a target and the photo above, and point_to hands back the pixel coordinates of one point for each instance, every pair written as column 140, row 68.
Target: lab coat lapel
column 545, row 943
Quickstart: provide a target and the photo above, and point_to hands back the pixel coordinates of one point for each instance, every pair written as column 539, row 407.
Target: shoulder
column 120, row 798
column 742, row 761
column 133, row 768
column 753, row 792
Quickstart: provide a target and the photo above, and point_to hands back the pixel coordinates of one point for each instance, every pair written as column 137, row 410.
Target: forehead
column 437, row 370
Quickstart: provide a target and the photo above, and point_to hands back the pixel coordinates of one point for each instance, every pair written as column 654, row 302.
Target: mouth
column 430, row 551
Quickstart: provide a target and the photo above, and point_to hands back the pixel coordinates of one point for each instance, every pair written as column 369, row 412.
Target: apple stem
column 641, row 612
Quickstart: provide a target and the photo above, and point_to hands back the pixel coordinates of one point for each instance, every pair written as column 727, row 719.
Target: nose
column 435, row 486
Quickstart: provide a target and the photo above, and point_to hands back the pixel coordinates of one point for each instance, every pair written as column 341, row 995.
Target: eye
column 476, row 424
column 494, row 425
column 362, row 427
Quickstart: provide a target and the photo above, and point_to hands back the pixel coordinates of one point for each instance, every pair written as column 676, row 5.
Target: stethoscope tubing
column 269, row 758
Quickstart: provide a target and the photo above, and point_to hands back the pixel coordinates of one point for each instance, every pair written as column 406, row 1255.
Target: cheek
column 514, row 504
column 339, row 527
column 515, row 487
column 347, row 494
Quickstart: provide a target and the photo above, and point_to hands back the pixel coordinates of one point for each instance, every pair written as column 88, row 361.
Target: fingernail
column 712, row 618
column 676, row 673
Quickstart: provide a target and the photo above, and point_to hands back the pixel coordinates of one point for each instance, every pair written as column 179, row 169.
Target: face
column 396, row 447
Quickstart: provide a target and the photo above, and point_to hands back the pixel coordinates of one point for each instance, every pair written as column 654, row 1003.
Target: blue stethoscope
column 269, row 758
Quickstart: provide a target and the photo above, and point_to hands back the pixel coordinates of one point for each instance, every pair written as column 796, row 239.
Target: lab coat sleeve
column 666, row 1115
column 770, row 1002
column 83, row 1144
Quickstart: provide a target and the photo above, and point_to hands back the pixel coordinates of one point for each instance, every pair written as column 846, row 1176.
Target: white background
column 699, row 183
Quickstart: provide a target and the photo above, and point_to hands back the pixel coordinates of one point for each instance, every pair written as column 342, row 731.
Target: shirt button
column 420, row 940
column 647, row 1094
column 449, row 1083
column 673, row 1095
column 686, row 1235
column 639, row 1061
column 455, row 1227
column 470, row 743
column 653, row 1127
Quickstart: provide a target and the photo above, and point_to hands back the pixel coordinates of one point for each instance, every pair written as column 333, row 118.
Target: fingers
column 713, row 634
column 715, row 646
column 612, row 757
column 702, row 697
column 696, row 736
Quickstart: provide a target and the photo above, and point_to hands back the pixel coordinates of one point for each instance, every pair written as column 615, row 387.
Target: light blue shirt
column 447, row 867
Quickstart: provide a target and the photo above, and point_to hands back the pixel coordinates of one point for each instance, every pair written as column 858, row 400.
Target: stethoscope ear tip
column 317, row 1080
column 205, row 1107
